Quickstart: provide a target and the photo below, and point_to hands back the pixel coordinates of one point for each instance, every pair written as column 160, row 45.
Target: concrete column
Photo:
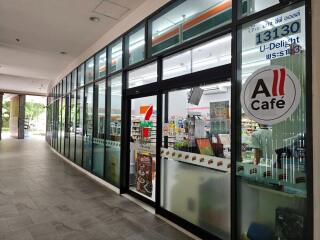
column 17, row 116
column 21, row 118
column 316, row 113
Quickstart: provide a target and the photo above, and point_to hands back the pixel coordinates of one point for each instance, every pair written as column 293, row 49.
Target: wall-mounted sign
column 271, row 94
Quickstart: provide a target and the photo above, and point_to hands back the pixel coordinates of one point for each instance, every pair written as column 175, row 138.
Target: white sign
column 271, row 94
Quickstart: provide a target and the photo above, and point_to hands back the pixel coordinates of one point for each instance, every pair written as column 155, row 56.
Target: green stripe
column 165, row 44
column 207, row 25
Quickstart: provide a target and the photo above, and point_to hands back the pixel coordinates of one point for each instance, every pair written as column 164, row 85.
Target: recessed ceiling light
column 94, row 19
column 18, row 39
column 63, row 52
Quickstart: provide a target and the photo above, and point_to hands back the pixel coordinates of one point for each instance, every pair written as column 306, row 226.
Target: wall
column 316, row 113
column 144, row 10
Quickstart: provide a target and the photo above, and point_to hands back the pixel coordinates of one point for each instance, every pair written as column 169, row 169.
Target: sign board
column 271, row 94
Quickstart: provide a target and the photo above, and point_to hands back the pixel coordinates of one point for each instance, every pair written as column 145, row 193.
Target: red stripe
column 149, row 113
column 282, row 79
column 275, row 82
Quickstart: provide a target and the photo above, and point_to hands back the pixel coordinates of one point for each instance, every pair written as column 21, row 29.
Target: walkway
column 42, row 197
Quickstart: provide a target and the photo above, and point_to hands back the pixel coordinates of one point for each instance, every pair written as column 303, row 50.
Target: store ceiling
column 34, row 32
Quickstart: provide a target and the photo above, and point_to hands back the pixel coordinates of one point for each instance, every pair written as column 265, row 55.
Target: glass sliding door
column 79, row 126
column 88, row 128
column 99, row 128
column 113, row 130
column 195, row 156
column 72, row 124
column 142, row 178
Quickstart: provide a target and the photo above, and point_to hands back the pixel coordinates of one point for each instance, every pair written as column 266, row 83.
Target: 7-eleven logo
column 146, row 124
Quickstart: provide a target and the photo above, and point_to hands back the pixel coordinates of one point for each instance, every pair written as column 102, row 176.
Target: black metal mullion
column 309, row 123
column 159, row 138
column 235, row 120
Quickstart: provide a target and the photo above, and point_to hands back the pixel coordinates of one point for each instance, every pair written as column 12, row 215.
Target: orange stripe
column 165, row 36
column 223, row 6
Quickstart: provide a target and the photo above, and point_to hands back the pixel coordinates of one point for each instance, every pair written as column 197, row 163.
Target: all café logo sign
column 271, row 94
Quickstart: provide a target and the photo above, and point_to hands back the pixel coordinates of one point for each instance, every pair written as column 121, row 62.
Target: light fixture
column 63, row 53
column 94, row 19
column 17, row 39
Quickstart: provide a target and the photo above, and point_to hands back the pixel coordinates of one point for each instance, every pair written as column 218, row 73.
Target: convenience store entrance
column 143, row 139
column 178, row 149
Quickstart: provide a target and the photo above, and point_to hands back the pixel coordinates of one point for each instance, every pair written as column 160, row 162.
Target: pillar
column 315, row 4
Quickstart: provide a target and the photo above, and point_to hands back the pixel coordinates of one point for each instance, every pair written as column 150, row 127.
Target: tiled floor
column 42, row 197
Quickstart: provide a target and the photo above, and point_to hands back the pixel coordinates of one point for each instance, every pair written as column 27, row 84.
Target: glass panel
column 81, row 75
column 72, row 125
column 136, row 45
column 272, row 167
column 142, row 178
column 89, row 70
column 62, row 126
column 67, row 127
column 115, row 56
column 113, row 130
column 101, row 64
column 99, row 128
column 74, row 79
column 252, row 6
column 88, row 128
column 144, row 75
column 69, row 82
column 58, row 124
column 79, row 126
column 208, row 55
column 188, row 20
column 195, row 157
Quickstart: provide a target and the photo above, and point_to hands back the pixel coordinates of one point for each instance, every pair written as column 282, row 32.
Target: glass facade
column 142, row 76
column 115, row 56
column 99, row 128
column 187, row 21
column 88, row 127
column 136, row 43
column 113, row 129
column 79, row 125
column 195, row 156
column 194, row 129
column 100, row 64
column 274, row 154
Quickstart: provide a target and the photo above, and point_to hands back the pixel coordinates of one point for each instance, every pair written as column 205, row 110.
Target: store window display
column 195, row 157
column 272, row 168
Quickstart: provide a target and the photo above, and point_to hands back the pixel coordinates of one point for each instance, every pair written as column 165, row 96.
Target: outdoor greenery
column 33, row 110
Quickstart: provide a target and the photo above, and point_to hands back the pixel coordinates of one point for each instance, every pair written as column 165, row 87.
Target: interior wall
column 316, row 113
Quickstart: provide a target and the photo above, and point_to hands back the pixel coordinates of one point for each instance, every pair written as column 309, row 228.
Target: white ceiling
column 45, row 28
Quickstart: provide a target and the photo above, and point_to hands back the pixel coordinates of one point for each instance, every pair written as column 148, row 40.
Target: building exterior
column 204, row 110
